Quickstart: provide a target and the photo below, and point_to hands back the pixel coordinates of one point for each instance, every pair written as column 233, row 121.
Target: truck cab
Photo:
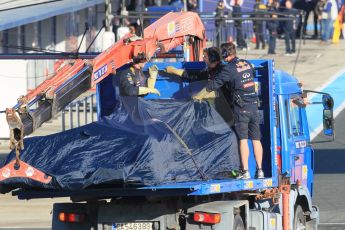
column 294, row 143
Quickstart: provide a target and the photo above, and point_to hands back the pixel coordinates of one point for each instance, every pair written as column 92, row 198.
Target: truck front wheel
column 299, row 221
column 238, row 223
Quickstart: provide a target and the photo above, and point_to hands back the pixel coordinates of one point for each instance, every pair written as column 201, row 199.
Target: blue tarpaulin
column 143, row 142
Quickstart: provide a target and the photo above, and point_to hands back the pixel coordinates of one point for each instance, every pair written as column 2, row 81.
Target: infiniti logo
column 246, row 75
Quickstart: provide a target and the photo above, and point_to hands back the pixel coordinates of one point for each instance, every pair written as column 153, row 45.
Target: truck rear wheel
column 299, row 221
column 238, row 223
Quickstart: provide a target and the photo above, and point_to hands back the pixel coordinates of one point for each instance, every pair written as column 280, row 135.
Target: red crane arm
column 164, row 34
column 168, row 32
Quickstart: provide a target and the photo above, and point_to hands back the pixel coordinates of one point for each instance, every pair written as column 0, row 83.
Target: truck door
column 298, row 140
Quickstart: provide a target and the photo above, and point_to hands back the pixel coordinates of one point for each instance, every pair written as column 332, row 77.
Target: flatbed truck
column 282, row 200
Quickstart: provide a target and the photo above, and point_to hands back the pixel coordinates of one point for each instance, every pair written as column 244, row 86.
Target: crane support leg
column 284, row 188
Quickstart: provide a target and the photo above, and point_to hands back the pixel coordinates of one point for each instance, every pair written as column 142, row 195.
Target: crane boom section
column 174, row 25
column 166, row 33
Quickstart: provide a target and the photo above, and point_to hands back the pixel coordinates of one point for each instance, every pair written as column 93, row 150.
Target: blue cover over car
column 142, row 142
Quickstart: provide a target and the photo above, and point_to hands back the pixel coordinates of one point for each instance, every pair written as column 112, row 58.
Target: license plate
column 132, row 226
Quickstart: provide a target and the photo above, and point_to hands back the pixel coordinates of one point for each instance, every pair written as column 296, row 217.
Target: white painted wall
column 13, row 83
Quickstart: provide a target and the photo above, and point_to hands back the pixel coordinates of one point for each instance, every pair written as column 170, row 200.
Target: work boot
column 244, row 174
column 259, row 174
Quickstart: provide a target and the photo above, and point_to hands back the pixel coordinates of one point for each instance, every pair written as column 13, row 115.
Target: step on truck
column 282, row 200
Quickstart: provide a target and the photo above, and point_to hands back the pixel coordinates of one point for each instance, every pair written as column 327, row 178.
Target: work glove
column 153, row 72
column 173, row 70
column 146, row 90
column 204, row 94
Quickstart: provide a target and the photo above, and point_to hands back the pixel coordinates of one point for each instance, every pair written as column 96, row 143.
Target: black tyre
column 299, row 221
column 238, row 223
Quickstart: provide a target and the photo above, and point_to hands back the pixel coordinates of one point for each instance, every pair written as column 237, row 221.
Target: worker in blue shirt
column 238, row 76
column 237, row 13
column 133, row 81
column 290, row 29
column 272, row 26
column 258, row 25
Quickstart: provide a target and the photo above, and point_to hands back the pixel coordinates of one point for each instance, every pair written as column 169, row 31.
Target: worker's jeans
column 290, row 39
column 272, row 43
column 326, row 29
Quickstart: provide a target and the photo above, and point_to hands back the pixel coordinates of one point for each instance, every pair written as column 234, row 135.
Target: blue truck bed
column 175, row 189
column 106, row 92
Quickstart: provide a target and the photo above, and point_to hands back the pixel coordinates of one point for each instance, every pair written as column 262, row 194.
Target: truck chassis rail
column 177, row 189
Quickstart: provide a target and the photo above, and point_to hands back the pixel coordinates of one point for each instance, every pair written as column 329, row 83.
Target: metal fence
column 228, row 31
column 79, row 112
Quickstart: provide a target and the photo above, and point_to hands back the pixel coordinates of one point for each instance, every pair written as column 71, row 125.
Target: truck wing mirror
column 328, row 122
column 327, row 102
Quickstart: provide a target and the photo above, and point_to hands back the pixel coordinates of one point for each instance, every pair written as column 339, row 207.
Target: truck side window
column 295, row 118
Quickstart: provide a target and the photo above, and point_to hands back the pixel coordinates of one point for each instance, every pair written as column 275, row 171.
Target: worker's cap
column 139, row 58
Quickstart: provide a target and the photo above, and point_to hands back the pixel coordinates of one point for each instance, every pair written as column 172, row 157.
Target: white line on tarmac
column 316, row 131
column 331, row 223
column 318, row 55
column 335, row 76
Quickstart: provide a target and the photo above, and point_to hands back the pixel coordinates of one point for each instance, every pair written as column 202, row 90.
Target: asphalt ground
column 329, row 187
column 315, row 66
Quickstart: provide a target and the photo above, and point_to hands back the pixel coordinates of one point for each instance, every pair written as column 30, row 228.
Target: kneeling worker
column 133, row 81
